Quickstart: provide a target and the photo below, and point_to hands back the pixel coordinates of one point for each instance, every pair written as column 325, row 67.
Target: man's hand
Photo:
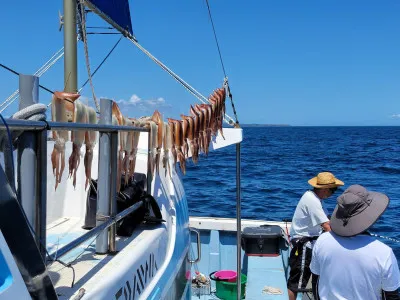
column 326, row 226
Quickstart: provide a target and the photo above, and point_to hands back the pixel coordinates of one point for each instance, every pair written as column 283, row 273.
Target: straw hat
column 325, row 180
column 357, row 210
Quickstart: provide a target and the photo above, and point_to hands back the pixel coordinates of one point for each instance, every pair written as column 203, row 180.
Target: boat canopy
column 115, row 12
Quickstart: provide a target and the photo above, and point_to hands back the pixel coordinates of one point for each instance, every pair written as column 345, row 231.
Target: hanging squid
column 196, row 137
column 173, row 146
column 133, row 153
column 203, row 127
column 217, row 100
column 221, row 98
column 178, row 141
column 119, row 158
column 167, row 146
column 90, row 141
column 157, row 118
column 118, row 119
column 153, row 145
column 185, row 132
column 200, row 120
column 62, row 110
column 206, row 110
column 127, row 151
column 77, row 138
column 194, row 148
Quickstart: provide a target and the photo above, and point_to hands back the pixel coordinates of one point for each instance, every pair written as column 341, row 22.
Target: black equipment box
column 262, row 241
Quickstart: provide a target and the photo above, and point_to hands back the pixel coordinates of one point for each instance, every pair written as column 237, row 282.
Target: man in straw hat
column 309, row 220
column 352, row 264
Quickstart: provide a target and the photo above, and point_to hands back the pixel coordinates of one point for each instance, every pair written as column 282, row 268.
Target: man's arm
column 326, row 226
column 390, row 278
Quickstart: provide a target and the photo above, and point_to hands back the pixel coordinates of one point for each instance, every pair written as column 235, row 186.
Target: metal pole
column 75, row 243
column 27, row 165
column 238, row 220
column 41, row 191
column 104, row 182
column 70, row 47
column 113, row 189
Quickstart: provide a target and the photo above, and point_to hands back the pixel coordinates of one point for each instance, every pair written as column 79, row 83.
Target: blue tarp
column 117, row 11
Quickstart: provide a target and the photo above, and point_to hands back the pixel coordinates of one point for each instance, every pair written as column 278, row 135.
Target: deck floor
column 84, row 259
column 219, row 250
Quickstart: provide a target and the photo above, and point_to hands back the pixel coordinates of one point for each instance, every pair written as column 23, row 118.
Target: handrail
column 40, row 127
column 16, row 124
column 75, row 243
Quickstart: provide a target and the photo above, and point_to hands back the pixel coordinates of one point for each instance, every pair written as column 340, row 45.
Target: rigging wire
column 226, row 84
column 103, row 61
column 16, row 73
column 38, row 73
column 100, row 27
column 44, row 68
column 99, row 66
column 84, row 37
column 215, row 36
column 192, row 90
column 103, row 33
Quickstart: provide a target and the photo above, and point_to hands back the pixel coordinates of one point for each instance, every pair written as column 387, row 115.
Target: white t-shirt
column 308, row 216
column 358, row 267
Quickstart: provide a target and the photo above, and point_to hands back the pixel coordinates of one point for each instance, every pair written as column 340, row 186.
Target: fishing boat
column 119, row 227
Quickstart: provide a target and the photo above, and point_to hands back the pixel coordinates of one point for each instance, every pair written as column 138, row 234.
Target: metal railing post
column 113, row 189
column 41, row 191
column 104, row 182
column 30, row 161
column 239, row 223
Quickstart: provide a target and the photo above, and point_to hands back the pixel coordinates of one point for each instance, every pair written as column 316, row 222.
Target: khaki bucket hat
column 357, row 210
column 325, row 180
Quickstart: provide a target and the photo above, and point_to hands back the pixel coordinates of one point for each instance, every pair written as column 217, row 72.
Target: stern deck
column 218, row 252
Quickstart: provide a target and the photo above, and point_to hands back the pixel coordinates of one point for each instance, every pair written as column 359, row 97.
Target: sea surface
column 277, row 162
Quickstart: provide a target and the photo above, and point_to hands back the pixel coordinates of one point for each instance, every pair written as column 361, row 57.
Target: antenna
column 61, row 20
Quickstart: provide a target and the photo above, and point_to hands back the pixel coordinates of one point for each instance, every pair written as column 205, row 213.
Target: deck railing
column 106, row 196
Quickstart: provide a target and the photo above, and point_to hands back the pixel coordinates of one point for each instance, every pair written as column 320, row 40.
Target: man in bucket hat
column 309, row 220
column 350, row 263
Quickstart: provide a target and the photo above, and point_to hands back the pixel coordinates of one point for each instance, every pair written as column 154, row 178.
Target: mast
column 70, row 47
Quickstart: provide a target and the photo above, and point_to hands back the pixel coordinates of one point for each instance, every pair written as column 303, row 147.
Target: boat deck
column 266, row 276
column 83, row 259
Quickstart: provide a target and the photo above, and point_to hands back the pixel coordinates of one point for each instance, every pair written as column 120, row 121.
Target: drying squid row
column 66, row 108
column 62, row 110
column 192, row 133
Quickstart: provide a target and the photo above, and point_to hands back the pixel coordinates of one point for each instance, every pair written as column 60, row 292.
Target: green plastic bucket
column 228, row 290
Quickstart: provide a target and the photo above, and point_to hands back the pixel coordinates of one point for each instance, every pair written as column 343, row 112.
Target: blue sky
column 288, row 62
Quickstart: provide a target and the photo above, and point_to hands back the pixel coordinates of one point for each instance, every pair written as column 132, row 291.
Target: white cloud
column 396, row 116
column 148, row 105
column 134, row 100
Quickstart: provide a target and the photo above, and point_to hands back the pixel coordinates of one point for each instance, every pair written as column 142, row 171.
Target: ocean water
column 277, row 162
